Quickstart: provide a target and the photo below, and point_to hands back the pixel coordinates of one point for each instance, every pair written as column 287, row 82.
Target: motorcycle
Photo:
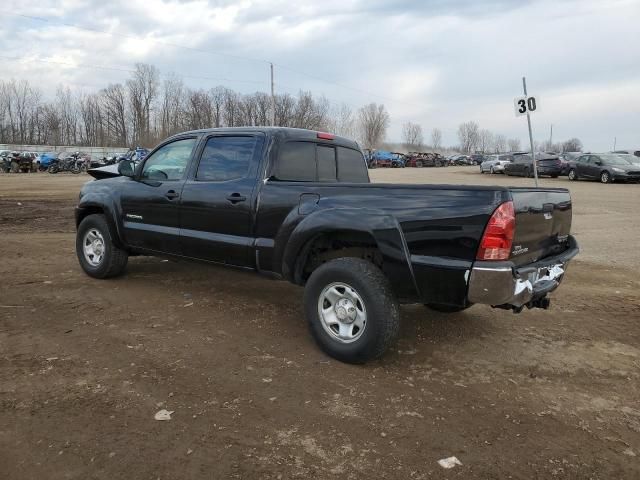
column 73, row 163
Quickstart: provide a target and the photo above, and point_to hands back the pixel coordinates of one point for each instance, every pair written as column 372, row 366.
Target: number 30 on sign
column 524, row 105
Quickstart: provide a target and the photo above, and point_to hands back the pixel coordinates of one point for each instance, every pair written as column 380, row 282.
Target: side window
column 326, row 157
column 169, row 162
column 297, row 162
column 351, row 166
column 226, row 158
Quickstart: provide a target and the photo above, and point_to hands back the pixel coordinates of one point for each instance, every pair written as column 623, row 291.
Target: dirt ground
column 85, row 364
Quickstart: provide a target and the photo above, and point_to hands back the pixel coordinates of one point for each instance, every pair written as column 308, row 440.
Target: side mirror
column 126, row 168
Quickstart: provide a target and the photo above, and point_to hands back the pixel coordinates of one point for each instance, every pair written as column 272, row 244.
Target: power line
column 211, row 52
column 123, row 69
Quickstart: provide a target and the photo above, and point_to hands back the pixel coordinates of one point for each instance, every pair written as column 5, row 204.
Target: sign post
column 526, row 105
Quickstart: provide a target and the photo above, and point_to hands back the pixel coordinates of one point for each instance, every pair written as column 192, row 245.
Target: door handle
column 236, row 197
column 171, row 194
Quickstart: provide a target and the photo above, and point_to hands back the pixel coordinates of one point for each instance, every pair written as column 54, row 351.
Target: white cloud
column 433, row 62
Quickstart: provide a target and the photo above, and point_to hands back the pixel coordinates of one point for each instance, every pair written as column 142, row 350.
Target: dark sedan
column 522, row 165
column 605, row 167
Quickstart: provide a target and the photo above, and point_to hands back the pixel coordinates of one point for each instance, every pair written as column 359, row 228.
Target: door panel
column 217, row 203
column 151, row 202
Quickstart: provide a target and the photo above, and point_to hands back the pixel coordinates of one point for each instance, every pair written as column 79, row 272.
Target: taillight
column 498, row 235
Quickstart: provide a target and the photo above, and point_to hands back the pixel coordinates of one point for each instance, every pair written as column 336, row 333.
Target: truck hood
column 109, row 171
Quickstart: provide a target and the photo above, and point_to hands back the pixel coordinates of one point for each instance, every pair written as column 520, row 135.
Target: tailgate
column 543, row 223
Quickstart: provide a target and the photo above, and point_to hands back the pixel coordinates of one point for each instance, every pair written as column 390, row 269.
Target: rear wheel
column 445, row 308
column 352, row 312
column 99, row 257
column 605, row 177
column 572, row 174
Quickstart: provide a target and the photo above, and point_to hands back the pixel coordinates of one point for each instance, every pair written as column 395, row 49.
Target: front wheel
column 572, row 175
column 53, row 168
column 352, row 312
column 605, row 177
column 99, row 257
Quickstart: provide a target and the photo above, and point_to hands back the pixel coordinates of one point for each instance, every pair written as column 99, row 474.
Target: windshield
column 615, row 160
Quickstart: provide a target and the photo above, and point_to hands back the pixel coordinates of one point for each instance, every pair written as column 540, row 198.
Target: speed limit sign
column 525, row 104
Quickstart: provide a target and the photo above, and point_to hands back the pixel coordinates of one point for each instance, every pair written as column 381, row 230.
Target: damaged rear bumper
column 502, row 284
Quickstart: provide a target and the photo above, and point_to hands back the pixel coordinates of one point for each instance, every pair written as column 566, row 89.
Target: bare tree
column 436, row 139
column 285, row 106
column 114, row 101
column 485, row 140
column 142, row 89
column 499, row 143
column 572, row 145
column 514, row 144
column 342, row 121
column 468, row 134
column 412, row 136
column 373, row 123
column 171, row 106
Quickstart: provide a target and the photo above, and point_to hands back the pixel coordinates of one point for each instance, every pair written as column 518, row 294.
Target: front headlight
column 617, row 170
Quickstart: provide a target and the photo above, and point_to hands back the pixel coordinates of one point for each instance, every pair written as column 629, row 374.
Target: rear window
column 310, row 162
column 351, row 166
column 326, row 157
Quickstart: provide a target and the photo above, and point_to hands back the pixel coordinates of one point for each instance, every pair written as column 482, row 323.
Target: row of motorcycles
column 74, row 163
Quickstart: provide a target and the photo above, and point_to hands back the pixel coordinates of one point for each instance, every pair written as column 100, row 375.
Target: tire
column 53, row 168
column 526, row 172
column 114, row 260
column 572, row 175
column 376, row 301
column 419, row 164
column 605, row 177
column 445, row 308
column 491, row 171
column 15, row 168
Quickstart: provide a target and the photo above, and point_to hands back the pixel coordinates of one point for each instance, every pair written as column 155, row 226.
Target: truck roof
column 288, row 133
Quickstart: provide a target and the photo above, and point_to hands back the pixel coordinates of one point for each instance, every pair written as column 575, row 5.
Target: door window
column 226, row 158
column 169, row 162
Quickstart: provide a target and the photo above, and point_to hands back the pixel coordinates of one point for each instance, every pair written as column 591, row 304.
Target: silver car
column 495, row 163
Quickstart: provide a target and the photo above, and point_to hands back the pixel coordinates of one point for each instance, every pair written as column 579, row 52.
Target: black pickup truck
column 297, row 205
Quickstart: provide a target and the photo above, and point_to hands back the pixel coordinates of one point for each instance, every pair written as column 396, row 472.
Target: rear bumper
column 504, row 284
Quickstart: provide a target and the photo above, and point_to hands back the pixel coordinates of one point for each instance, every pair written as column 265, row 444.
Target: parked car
column 476, row 158
column 398, row 160
column 5, row 161
column 605, row 167
column 20, row 162
column 380, row 158
column 303, row 210
column 635, row 153
column 522, row 165
column 418, row 159
column 495, row 163
column 461, row 160
column 566, row 158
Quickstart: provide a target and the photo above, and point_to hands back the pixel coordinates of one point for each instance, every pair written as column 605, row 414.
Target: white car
column 495, row 163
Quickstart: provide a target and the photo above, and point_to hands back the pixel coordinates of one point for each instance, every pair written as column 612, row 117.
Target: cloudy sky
column 434, row 62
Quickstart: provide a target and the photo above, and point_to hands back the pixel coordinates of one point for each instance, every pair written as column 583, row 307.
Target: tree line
column 474, row 139
column 144, row 109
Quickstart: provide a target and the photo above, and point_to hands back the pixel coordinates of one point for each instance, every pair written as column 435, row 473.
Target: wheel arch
column 330, row 234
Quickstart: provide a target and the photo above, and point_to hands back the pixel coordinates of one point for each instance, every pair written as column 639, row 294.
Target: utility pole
column 614, row 142
column 533, row 153
column 273, row 100
column 551, row 138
